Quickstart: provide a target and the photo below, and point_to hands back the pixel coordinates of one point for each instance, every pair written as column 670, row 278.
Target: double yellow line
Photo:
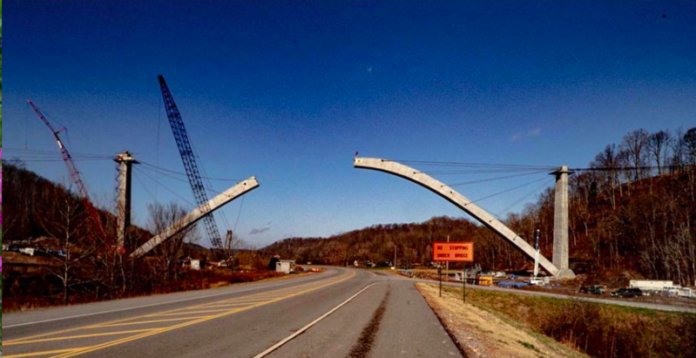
column 216, row 309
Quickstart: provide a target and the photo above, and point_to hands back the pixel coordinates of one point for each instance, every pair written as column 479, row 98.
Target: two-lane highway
column 337, row 313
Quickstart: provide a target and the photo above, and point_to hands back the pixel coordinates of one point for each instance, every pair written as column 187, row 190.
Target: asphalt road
column 337, row 313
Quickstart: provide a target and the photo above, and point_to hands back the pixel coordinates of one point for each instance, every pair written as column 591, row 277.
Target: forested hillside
column 73, row 263
column 632, row 211
column 34, row 207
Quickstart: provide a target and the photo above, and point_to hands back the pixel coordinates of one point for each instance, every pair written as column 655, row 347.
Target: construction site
column 99, row 240
column 348, row 179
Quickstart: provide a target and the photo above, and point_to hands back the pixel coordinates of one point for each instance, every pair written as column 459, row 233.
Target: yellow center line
column 190, row 312
column 244, row 301
column 153, row 331
column 215, row 306
column 185, row 324
column 98, row 325
column 150, row 321
column 227, row 303
column 44, row 353
column 77, row 337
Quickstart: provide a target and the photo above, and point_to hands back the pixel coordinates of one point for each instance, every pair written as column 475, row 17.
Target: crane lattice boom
column 74, row 173
column 190, row 164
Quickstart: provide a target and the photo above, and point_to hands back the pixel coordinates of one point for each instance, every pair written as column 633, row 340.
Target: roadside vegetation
column 598, row 330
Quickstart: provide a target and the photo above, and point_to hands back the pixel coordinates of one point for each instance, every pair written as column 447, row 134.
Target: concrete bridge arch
column 558, row 268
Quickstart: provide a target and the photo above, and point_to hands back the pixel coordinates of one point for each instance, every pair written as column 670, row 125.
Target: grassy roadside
column 480, row 333
column 599, row 330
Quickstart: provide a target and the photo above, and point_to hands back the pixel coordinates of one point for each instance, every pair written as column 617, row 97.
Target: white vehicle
column 686, row 292
column 537, row 281
column 670, row 291
column 678, row 291
column 27, row 251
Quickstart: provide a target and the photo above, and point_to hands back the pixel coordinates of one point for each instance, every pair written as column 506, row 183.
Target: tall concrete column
column 125, row 161
column 560, row 224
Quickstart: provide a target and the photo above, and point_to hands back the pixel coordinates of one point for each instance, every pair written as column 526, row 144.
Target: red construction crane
column 74, row 173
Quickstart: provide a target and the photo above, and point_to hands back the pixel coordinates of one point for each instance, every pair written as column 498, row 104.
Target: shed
column 285, row 266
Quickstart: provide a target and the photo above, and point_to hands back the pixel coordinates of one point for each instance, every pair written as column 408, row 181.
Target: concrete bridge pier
column 560, row 224
column 125, row 165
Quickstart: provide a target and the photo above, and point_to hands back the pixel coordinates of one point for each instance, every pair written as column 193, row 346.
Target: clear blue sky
column 288, row 91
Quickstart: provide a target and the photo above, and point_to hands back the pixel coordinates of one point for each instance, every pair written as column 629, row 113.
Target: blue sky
column 288, row 91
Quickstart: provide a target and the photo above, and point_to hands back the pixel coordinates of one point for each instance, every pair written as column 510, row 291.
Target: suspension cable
column 516, row 202
column 507, row 190
column 498, row 178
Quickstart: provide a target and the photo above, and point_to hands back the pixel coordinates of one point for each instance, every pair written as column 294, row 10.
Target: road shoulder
column 483, row 334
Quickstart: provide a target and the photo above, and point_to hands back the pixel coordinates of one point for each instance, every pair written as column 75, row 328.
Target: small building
column 195, row 265
column 285, row 266
column 191, row 263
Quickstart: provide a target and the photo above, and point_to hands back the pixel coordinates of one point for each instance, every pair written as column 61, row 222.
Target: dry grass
column 599, row 330
column 480, row 333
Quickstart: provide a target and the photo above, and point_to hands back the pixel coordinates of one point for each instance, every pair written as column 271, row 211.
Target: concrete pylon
column 560, row 224
column 125, row 161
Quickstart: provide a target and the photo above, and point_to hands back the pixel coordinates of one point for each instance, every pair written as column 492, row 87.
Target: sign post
column 453, row 252
column 447, row 267
column 439, row 275
column 464, row 278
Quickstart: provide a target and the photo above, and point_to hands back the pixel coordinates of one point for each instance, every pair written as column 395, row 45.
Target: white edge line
column 138, row 307
column 303, row 329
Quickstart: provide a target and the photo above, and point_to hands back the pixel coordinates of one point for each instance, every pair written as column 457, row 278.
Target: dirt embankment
column 483, row 334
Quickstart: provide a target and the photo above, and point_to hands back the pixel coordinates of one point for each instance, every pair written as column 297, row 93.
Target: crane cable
column 165, row 187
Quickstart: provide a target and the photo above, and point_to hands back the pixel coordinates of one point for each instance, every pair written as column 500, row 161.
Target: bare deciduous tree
column 166, row 254
column 658, row 146
column 73, row 252
column 635, row 144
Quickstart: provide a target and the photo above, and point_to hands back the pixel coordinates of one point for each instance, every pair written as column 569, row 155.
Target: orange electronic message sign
column 453, row 251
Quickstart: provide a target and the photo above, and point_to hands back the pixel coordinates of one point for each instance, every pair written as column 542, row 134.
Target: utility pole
column 395, row 256
column 125, row 165
column 536, row 258
column 229, row 249
column 560, row 224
